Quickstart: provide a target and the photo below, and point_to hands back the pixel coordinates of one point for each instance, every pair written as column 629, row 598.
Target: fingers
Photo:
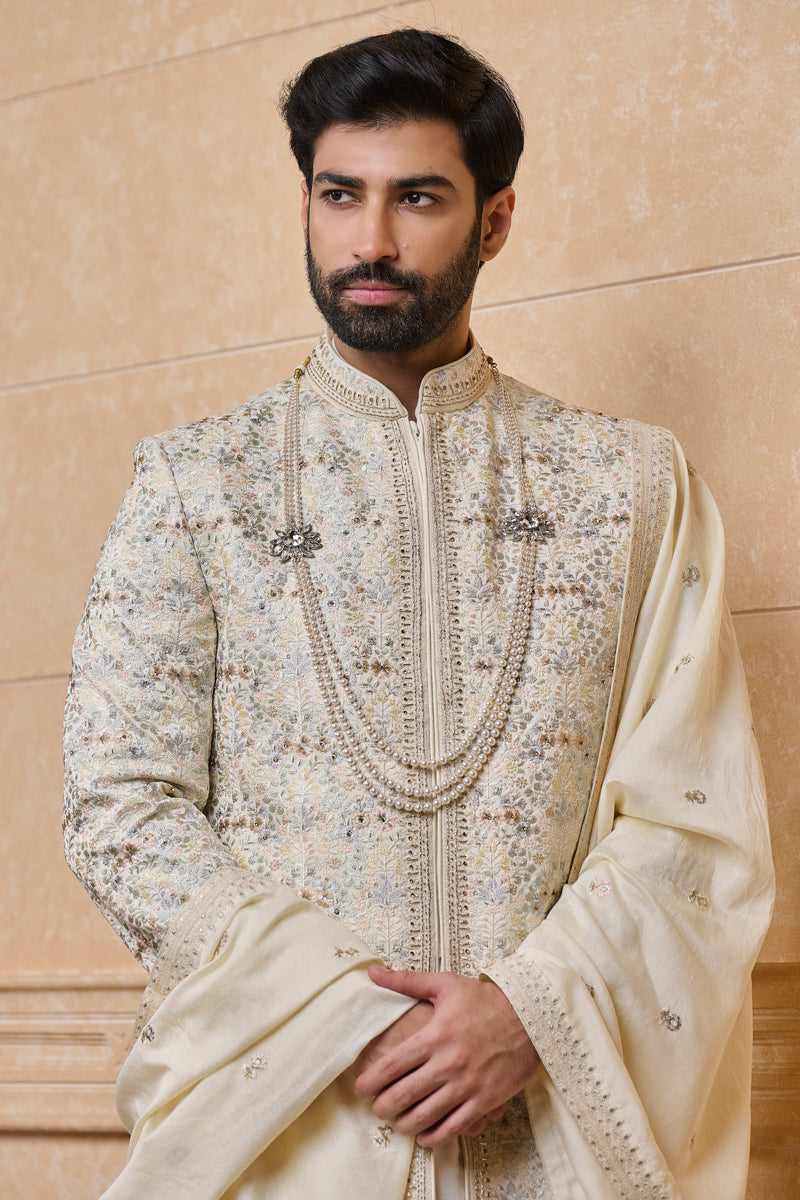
column 403, row 1028
column 462, row 1121
column 447, row 1129
column 389, row 1067
column 422, row 985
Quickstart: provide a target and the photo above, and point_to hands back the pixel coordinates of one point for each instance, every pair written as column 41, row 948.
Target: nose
column 375, row 239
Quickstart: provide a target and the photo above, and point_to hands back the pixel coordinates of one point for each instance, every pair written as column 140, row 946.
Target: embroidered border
column 636, row 1173
column 450, row 820
column 420, row 1177
column 378, row 403
column 183, row 945
column 651, row 478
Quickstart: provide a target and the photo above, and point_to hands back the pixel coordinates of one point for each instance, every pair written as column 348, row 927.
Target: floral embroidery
column 257, row 1063
column 600, row 887
column 383, row 1136
column 669, row 1019
column 346, row 951
column 695, row 796
column 697, row 897
column 684, row 662
column 223, row 941
column 148, row 1033
column 691, row 575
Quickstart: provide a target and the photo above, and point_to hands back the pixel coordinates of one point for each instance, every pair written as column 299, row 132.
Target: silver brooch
column 527, row 525
column 295, row 543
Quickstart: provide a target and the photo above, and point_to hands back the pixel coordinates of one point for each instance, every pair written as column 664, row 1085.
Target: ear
column 304, row 204
column 497, row 213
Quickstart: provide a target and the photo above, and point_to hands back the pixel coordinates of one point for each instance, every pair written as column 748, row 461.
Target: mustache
column 378, row 272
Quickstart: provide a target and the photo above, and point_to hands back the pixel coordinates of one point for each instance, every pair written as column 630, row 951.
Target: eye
column 336, row 197
column 419, row 200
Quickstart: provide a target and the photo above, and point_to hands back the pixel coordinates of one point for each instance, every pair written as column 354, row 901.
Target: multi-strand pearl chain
column 450, row 776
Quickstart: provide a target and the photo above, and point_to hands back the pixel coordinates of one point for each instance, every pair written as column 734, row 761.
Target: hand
column 458, row 1069
column 404, row 1027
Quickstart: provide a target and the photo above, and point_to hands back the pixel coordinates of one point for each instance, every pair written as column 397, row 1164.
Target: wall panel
column 770, row 645
column 70, row 41
column 151, row 254
column 45, row 1166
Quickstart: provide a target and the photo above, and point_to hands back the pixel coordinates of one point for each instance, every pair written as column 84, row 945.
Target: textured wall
column 151, row 253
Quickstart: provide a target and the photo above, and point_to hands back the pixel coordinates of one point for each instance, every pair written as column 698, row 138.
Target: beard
column 427, row 310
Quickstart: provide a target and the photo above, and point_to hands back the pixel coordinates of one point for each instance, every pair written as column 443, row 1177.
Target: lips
column 373, row 293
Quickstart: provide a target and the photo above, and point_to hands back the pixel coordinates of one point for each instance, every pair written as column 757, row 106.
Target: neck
column 403, row 373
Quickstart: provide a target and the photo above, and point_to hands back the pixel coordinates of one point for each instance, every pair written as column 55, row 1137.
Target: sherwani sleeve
column 138, row 740
column 635, row 988
column 138, row 720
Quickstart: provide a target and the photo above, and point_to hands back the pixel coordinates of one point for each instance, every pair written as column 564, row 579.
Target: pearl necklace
column 447, row 778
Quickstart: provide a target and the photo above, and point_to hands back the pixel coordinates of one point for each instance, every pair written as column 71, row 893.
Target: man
column 404, row 661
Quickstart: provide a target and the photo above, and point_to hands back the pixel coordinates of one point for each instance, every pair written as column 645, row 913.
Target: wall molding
column 63, row 1040
column 776, row 1059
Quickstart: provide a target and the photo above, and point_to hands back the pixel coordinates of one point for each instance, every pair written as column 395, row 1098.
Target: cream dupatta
column 635, row 989
column 246, row 1059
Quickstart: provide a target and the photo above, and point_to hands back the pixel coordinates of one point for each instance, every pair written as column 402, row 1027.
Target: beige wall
column 151, row 250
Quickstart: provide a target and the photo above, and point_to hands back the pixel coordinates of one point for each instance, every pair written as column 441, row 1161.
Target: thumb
column 421, row 985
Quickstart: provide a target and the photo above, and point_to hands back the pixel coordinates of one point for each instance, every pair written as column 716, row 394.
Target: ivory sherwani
column 609, row 869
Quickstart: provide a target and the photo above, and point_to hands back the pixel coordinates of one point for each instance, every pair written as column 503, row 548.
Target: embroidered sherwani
column 609, row 869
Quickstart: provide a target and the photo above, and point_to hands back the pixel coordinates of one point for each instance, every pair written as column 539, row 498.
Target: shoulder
column 254, row 419
column 230, row 440
column 580, row 431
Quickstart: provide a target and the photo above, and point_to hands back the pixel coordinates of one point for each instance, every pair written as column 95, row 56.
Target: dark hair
column 408, row 75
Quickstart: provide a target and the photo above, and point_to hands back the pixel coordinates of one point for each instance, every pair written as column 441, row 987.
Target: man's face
column 393, row 239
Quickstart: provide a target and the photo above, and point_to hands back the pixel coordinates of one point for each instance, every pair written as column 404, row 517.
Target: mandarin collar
column 444, row 389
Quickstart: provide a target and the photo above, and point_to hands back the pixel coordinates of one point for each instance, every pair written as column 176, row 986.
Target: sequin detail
column 695, row 796
column 527, row 525
column 684, row 662
column 670, row 1020
column 600, row 887
column 691, row 575
column 295, row 543
column 148, row 1033
column 696, row 897
column 345, row 952
column 251, row 1069
column 383, row 1136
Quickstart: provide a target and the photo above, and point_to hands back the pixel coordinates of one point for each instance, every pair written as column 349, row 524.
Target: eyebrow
column 405, row 184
